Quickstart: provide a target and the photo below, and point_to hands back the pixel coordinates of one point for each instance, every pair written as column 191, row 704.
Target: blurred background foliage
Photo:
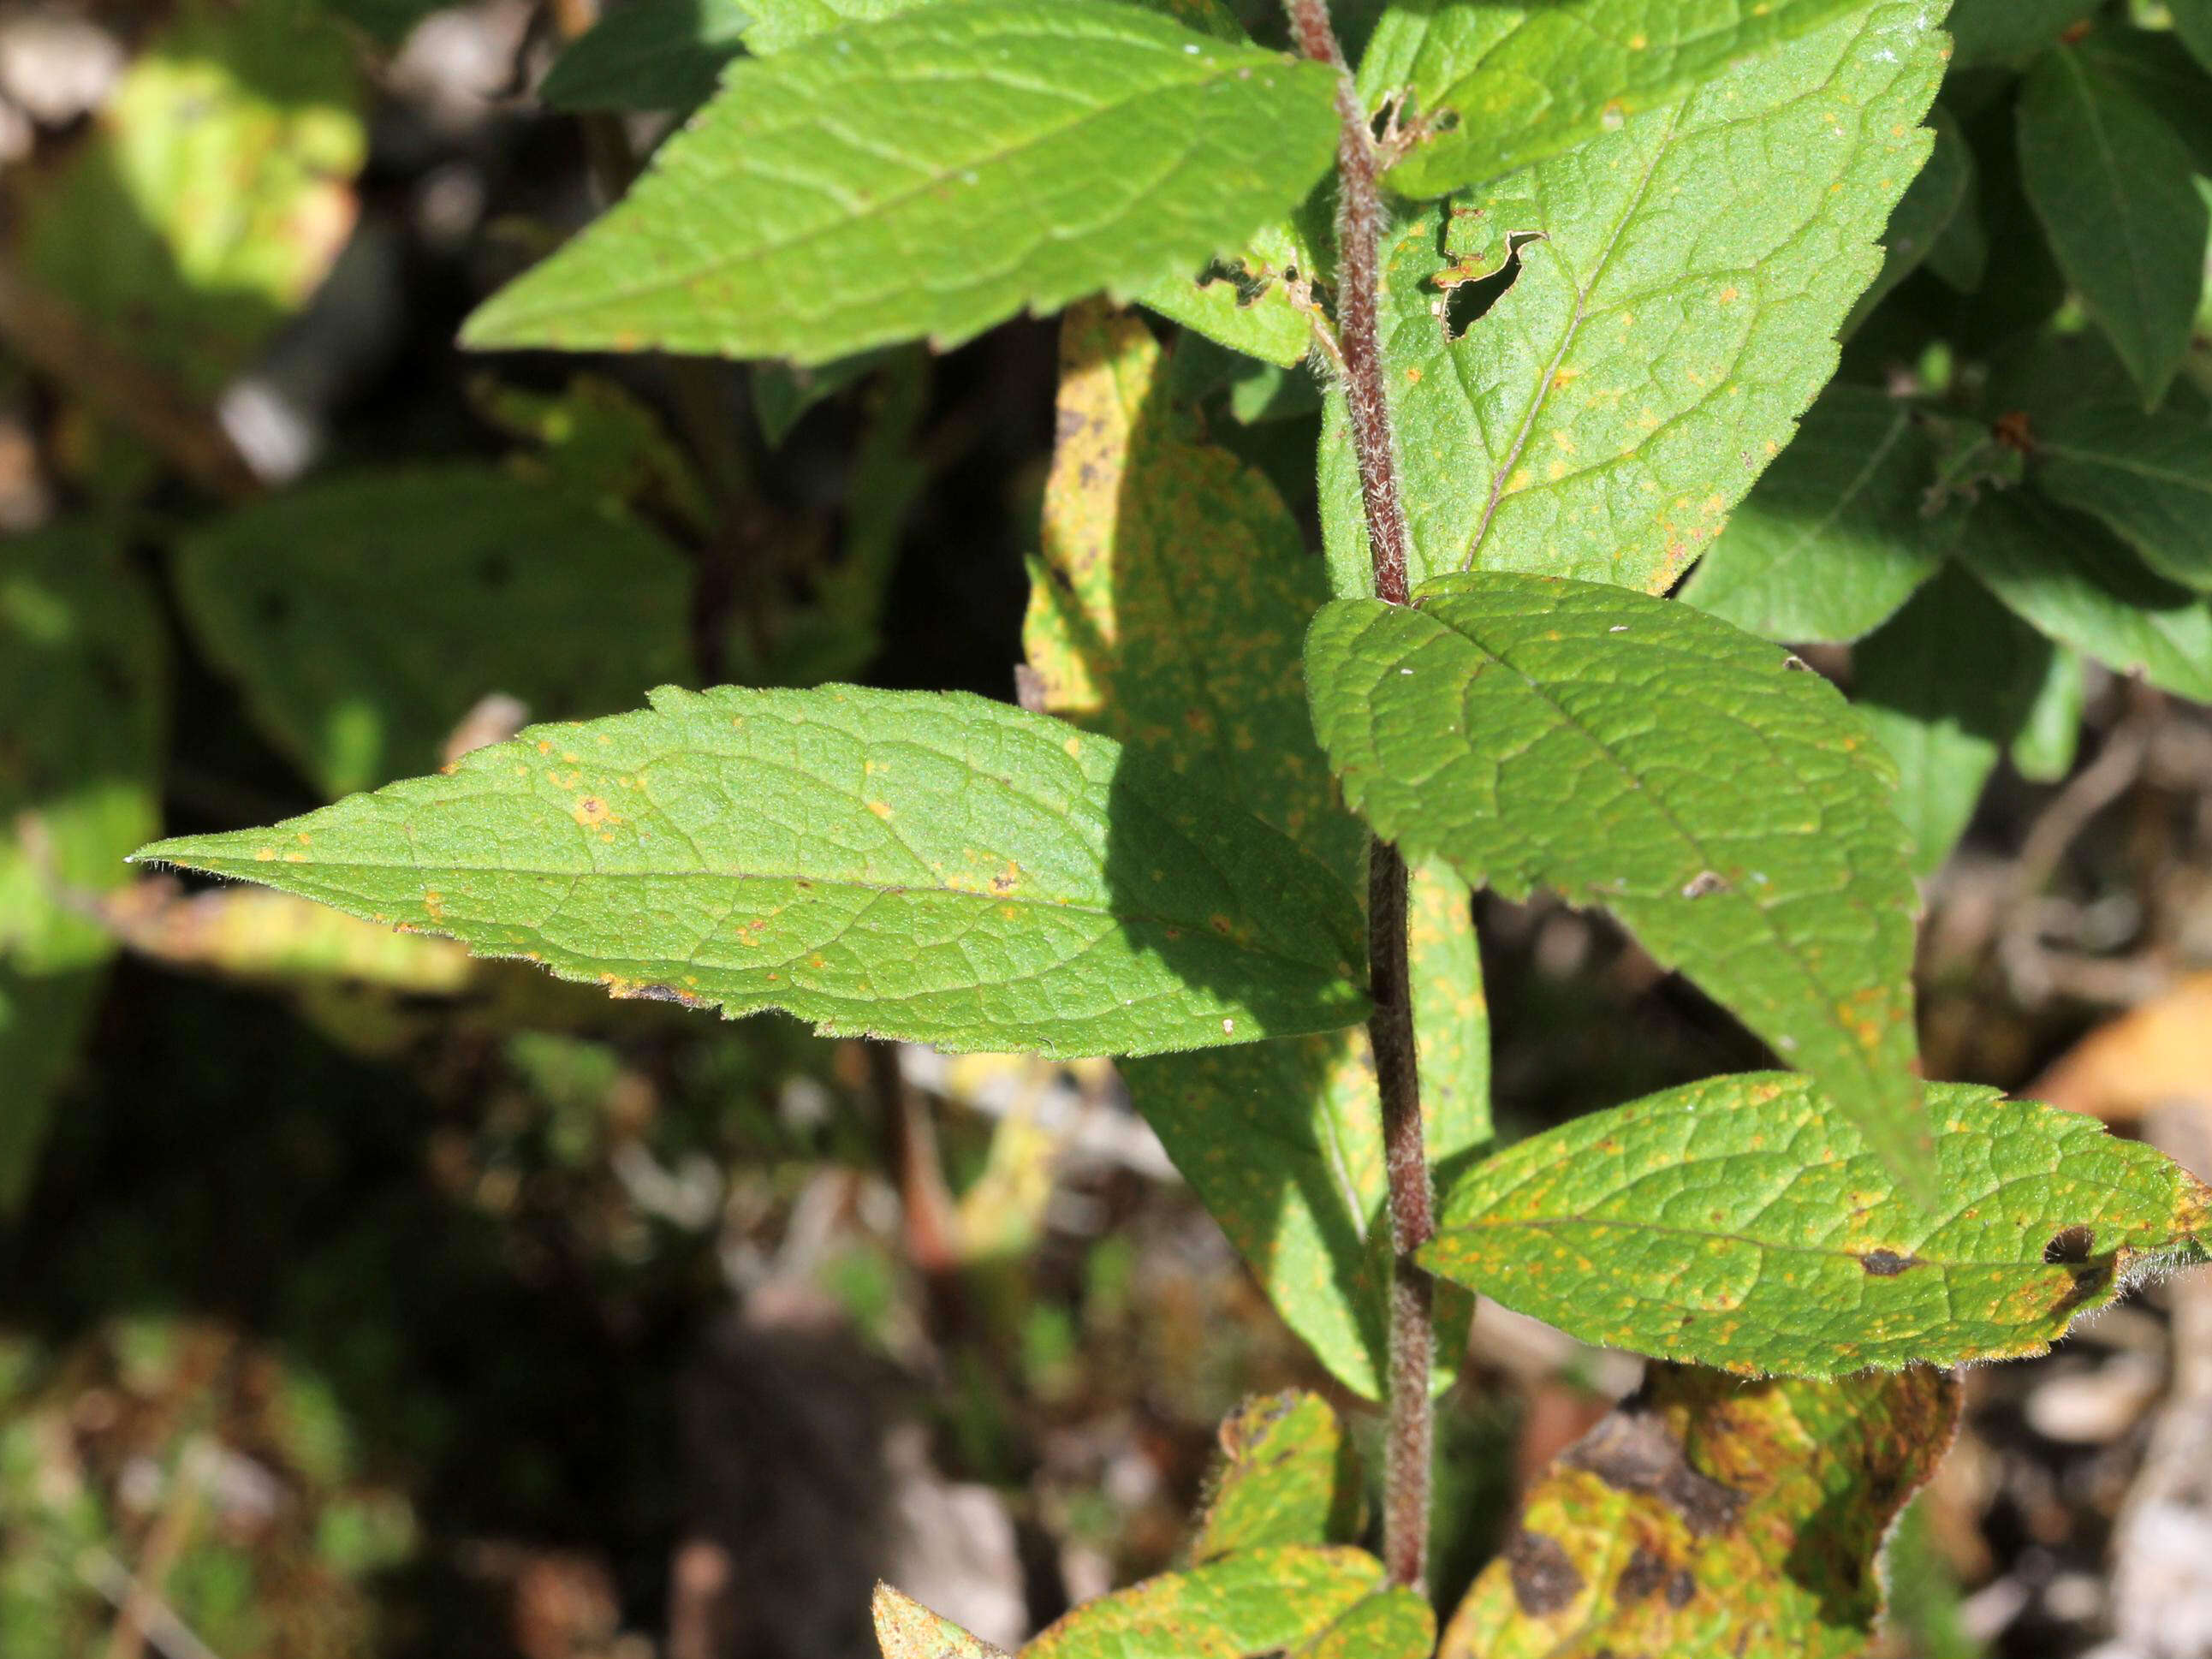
column 358, row 1299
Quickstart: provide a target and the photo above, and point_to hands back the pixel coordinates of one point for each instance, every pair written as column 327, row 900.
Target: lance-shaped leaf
column 937, row 868
column 907, row 1630
column 1708, row 1518
column 1675, row 290
column 83, row 708
column 1283, row 1600
column 931, row 175
column 1836, row 535
column 364, row 616
column 2111, row 184
column 1503, row 86
column 2147, row 476
column 1745, row 1222
column 2077, row 583
column 1173, row 592
column 1946, row 684
column 1634, row 753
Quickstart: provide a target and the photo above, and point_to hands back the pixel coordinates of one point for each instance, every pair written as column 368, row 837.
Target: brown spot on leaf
column 1632, row 1451
column 1888, row 1264
column 1544, row 1580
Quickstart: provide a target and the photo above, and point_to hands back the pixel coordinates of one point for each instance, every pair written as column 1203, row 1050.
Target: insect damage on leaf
column 1708, row 1518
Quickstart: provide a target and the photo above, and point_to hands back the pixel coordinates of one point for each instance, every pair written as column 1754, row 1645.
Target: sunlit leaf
column 929, row 175
column 931, row 867
column 1285, row 1478
column 1539, row 732
column 1745, row 1222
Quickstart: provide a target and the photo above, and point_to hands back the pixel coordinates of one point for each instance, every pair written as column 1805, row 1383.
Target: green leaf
column 83, row 704
column 2158, row 67
column 783, row 393
column 600, row 438
column 2080, row 586
column 1537, row 732
column 1745, row 1222
column 2147, row 476
column 1836, row 534
column 2042, row 750
column 1286, row 1478
column 907, row 1630
column 784, row 23
column 2111, row 184
column 1947, row 683
column 2010, row 30
column 1397, row 1624
column 1506, row 85
column 1256, row 1603
column 1710, row 1518
column 1937, row 195
column 1246, row 302
column 649, row 55
column 215, row 194
column 2192, row 21
column 931, row 175
column 364, row 616
column 936, row 868
column 1660, row 340
column 1167, row 610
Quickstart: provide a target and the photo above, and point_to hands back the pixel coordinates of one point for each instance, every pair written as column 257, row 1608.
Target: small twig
column 1409, row 1436
column 2097, row 785
column 48, row 333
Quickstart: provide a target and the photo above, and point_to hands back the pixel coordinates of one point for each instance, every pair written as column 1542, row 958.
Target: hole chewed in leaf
column 2069, row 1245
column 1468, row 298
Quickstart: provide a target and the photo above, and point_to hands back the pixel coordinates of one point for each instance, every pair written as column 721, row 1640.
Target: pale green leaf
column 363, row 617
column 907, row 1630
column 2111, row 184
column 2147, row 476
column 214, row 194
column 1254, row 1603
column 931, row 175
column 1710, row 1518
column 1947, row 683
column 1536, row 732
column 1246, row 301
column 1745, row 1222
column 2080, row 586
column 1503, row 86
column 648, row 55
column 1837, row 533
column 1285, row 1478
column 83, row 706
column 1173, row 594
column 1675, row 318
column 936, row 868
column 784, row 23
column 1396, row 1624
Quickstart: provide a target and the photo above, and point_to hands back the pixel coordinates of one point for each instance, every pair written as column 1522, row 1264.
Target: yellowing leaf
column 1167, row 611
column 1710, row 1518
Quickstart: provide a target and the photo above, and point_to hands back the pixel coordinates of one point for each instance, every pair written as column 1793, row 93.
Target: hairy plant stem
column 1410, row 1433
